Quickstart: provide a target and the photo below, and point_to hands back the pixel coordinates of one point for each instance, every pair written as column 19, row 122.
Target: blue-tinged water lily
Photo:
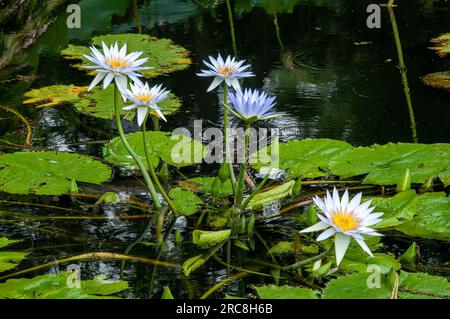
column 345, row 219
column 229, row 71
column 251, row 106
column 145, row 99
column 115, row 64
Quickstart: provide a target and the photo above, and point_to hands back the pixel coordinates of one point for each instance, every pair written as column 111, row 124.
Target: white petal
column 214, row 84
column 141, row 114
column 328, row 233
column 364, row 246
column 161, row 115
column 107, row 81
column 96, row 80
column 315, row 227
column 344, row 201
column 235, row 84
column 354, row 203
column 129, row 107
column 341, row 244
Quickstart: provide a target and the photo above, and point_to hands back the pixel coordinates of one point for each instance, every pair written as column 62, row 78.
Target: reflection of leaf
column 272, row 194
column 397, row 209
column 285, row 292
column 204, row 184
column 9, row 260
column 185, row 202
column 432, row 217
column 48, row 173
column 55, row 287
column 54, row 95
column 205, row 238
column 439, row 80
column 385, row 164
column 160, row 146
column 442, row 44
column 164, row 56
column 306, row 158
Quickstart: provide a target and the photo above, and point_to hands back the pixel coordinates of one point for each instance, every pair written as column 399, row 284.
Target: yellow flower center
column 144, row 98
column 225, row 71
column 117, row 63
column 345, row 221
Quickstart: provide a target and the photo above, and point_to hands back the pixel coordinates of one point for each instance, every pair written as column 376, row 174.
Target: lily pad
column 385, row 164
column 186, row 202
column 55, row 95
column 48, row 173
column 271, row 195
column 431, row 219
column 9, row 260
column 161, row 145
column 438, row 80
column 285, row 292
column 442, row 44
column 164, row 56
column 55, row 287
column 204, row 184
column 306, row 158
column 397, row 209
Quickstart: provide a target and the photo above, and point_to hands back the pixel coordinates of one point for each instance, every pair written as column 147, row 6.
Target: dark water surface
column 332, row 76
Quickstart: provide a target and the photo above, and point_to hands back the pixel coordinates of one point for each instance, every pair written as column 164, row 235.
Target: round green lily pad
column 48, row 173
column 164, row 56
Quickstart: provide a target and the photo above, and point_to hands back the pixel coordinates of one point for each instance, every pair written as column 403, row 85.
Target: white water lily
column 145, row 99
column 229, row 71
column 345, row 219
column 115, row 64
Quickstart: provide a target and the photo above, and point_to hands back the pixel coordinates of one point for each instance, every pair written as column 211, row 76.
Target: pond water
column 332, row 76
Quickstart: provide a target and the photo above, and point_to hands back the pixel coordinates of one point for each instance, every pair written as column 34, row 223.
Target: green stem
column 257, row 189
column 308, row 261
column 230, row 20
column 153, row 174
column 227, row 146
column 136, row 158
column 243, row 168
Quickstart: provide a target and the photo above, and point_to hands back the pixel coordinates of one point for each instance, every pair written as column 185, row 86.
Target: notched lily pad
column 438, row 80
column 164, row 56
column 54, row 95
column 48, row 173
column 442, row 44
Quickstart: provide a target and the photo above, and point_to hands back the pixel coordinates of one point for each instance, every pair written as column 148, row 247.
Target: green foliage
column 108, row 198
column 9, row 260
column 167, row 294
column 397, row 209
column 285, row 292
column 55, row 95
column 385, row 164
column 275, row 193
column 48, row 173
column 306, row 158
column 204, row 184
column 164, row 56
column 160, row 147
column 55, row 287
column 205, row 238
column 186, row 202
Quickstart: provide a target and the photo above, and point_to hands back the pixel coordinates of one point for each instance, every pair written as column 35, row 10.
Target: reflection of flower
column 115, row 64
column 230, row 71
column 250, row 105
column 144, row 99
column 346, row 220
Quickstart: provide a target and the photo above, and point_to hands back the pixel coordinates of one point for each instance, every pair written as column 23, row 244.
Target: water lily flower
column 229, row 71
column 251, row 106
column 115, row 64
column 145, row 99
column 345, row 219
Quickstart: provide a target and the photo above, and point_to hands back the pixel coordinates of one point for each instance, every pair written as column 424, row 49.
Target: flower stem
column 227, row 146
column 136, row 158
column 243, row 168
column 308, row 261
column 152, row 172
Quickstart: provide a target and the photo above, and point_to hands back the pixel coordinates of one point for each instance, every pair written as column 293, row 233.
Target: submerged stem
column 136, row 158
column 243, row 168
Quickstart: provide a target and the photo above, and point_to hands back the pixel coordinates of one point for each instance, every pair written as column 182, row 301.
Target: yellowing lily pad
column 54, row 95
column 48, row 173
column 442, row 44
column 438, row 80
column 164, row 56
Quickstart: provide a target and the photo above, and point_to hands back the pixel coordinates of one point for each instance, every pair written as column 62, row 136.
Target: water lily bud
column 224, row 173
column 405, row 182
column 297, row 188
column 164, row 170
column 251, row 223
column 243, row 224
column 216, row 188
column 410, row 255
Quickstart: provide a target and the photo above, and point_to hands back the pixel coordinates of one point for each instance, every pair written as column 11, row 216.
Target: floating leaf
column 306, row 158
column 445, row 177
column 164, row 56
column 186, row 151
column 442, row 44
column 432, row 218
column 287, row 247
column 9, row 260
column 271, row 195
column 385, row 164
column 4, row 241
column 397, row 209
column 421, row 285
column 204, row 184
column 438, row 80
column 285, row 292
column 48, row 173
column 185, row 202
column 55, row 287
column 205, row 238
column 108, row 198
column 55, row 95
